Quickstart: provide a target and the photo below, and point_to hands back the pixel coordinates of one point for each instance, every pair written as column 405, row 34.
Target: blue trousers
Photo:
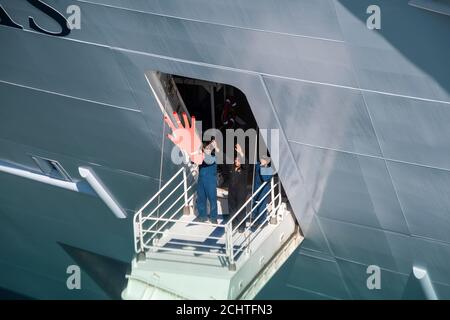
column 206, row 190
column 259, row 205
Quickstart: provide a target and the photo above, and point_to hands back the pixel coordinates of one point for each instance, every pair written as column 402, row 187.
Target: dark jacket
column 237, row 187
column 238, row 179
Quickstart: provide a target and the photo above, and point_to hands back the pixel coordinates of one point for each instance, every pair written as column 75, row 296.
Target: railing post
column 229, row 246
column 186, row 210
column 272, row 187
column 280, row 200
column 141, row 253
column 273, row 217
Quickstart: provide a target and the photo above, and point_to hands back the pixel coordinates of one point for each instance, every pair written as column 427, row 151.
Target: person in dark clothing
column 263, row 173
column 237, row 188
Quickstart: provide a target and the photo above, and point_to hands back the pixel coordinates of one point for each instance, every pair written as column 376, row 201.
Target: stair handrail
column 139, row 215
column 230, row 231
column 231, row 240
column 161, row 190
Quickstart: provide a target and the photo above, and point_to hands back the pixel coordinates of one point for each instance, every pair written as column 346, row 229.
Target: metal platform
column 179, row 257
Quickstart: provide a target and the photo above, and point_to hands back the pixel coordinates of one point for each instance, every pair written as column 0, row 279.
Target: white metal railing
column 238, row 242
column 156, row 218
column 140, row 217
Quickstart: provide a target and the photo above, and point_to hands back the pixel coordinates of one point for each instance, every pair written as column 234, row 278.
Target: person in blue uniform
column 207, row 184
column 263, row 173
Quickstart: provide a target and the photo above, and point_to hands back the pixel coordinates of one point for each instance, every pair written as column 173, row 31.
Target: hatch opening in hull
column 255, row 230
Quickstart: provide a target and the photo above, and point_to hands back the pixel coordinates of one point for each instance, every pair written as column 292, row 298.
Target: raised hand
column 211, row 146
column 185, row 137
column 239, row 149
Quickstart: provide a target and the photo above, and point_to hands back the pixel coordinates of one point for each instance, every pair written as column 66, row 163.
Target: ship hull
column 362, row 116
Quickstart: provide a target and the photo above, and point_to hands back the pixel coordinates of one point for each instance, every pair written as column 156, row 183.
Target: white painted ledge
column 425, row 282
column 102, row 192
column 13, row 169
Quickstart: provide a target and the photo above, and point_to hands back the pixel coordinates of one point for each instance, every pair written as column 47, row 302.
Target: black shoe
column 257, row 224
column 213, row 220
column 201, row 219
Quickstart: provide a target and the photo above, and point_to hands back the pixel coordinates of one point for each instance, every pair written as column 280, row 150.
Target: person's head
column 205, row 145
column 264, row 160
column 237, row 161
